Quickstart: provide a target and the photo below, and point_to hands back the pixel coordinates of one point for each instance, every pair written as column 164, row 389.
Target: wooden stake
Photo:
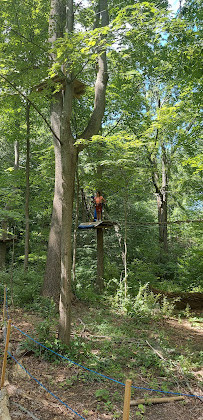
column 5, row 354
column 4, row 304
column 126, row 408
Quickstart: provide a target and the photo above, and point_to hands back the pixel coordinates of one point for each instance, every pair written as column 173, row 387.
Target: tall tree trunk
column 160, row 181
column 3, row 237
column 69, row 152
column 162, row 197
column 27, row 193
column 69, row 161
column 125, row 250
column 52, row 278
column 75, row 228
column 165, row 200
column 12, row 266
column 4, row 223
column 16, row 155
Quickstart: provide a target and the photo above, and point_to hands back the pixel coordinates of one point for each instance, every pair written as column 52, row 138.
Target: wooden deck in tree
column 104, row 224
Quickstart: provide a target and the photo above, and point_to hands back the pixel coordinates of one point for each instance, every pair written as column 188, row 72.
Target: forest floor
column 161, row 354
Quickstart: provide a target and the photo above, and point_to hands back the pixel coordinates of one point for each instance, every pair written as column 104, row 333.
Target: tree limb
column 25, row 411
column 100, row 84
column 155, row 351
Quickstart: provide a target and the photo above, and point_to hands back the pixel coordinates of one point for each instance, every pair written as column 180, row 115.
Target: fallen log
column 193, row 299
column 146, row 401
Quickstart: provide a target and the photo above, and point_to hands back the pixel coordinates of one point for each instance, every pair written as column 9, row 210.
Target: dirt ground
column 28, row 400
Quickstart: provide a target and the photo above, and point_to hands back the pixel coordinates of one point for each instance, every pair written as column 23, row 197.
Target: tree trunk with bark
column 61, row 21
column 69, row 161
column 27, row 192
column 75, row 229
column 162, row 197
column 125, row 250
column 52, row 278
column 160, row 181
column 16, row 154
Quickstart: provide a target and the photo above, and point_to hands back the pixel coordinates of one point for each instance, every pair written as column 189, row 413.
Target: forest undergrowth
column 154, row 346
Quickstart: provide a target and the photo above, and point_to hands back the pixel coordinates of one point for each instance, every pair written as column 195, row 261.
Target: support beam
column 100, row 259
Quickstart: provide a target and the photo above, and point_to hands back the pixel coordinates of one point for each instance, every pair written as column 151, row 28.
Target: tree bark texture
column 3, row 238
column 27, row 192
column 125, row 250
column 52, row 278
column 69, row 161
column 94, row 124
column 75, row 228
column 160, row 181
column 161, row 188
column 162, row 197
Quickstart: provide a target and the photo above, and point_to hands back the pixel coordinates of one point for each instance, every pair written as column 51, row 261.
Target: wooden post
column 4, row 304
column 100, row 259
column 126, row 407
column 5, row 354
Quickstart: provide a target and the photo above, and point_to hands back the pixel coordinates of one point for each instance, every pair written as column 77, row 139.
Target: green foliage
column 144, row 305
column 25, row 286
column 44, row 306
column 140, row 412
column 190, row 268
column 141, row 272
column 102, row 395
column 46, row 335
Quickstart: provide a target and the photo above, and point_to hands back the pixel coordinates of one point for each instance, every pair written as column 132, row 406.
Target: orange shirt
column 98, row 200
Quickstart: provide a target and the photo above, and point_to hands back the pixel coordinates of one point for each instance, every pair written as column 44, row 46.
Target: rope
column 91, row 370
column 169, row 392
column 69, row 360
column 46, row 389
column 107, row 377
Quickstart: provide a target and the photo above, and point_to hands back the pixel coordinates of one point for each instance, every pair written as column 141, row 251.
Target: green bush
column 141, row 272
column 190, row 269
column 26, row 285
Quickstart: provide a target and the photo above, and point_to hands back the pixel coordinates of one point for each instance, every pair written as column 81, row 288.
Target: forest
column 101, row 209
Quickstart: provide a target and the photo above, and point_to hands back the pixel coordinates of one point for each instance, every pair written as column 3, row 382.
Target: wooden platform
column 104, row 224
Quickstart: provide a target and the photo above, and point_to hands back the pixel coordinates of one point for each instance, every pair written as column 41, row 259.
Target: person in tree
column 99, row 200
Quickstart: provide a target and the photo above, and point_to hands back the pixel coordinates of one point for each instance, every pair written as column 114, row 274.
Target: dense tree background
column 148, row 149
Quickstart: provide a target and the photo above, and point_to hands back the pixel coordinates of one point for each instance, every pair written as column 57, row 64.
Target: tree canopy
column 117, row 86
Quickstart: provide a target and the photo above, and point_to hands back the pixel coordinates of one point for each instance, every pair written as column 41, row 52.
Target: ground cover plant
column 156, row 351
